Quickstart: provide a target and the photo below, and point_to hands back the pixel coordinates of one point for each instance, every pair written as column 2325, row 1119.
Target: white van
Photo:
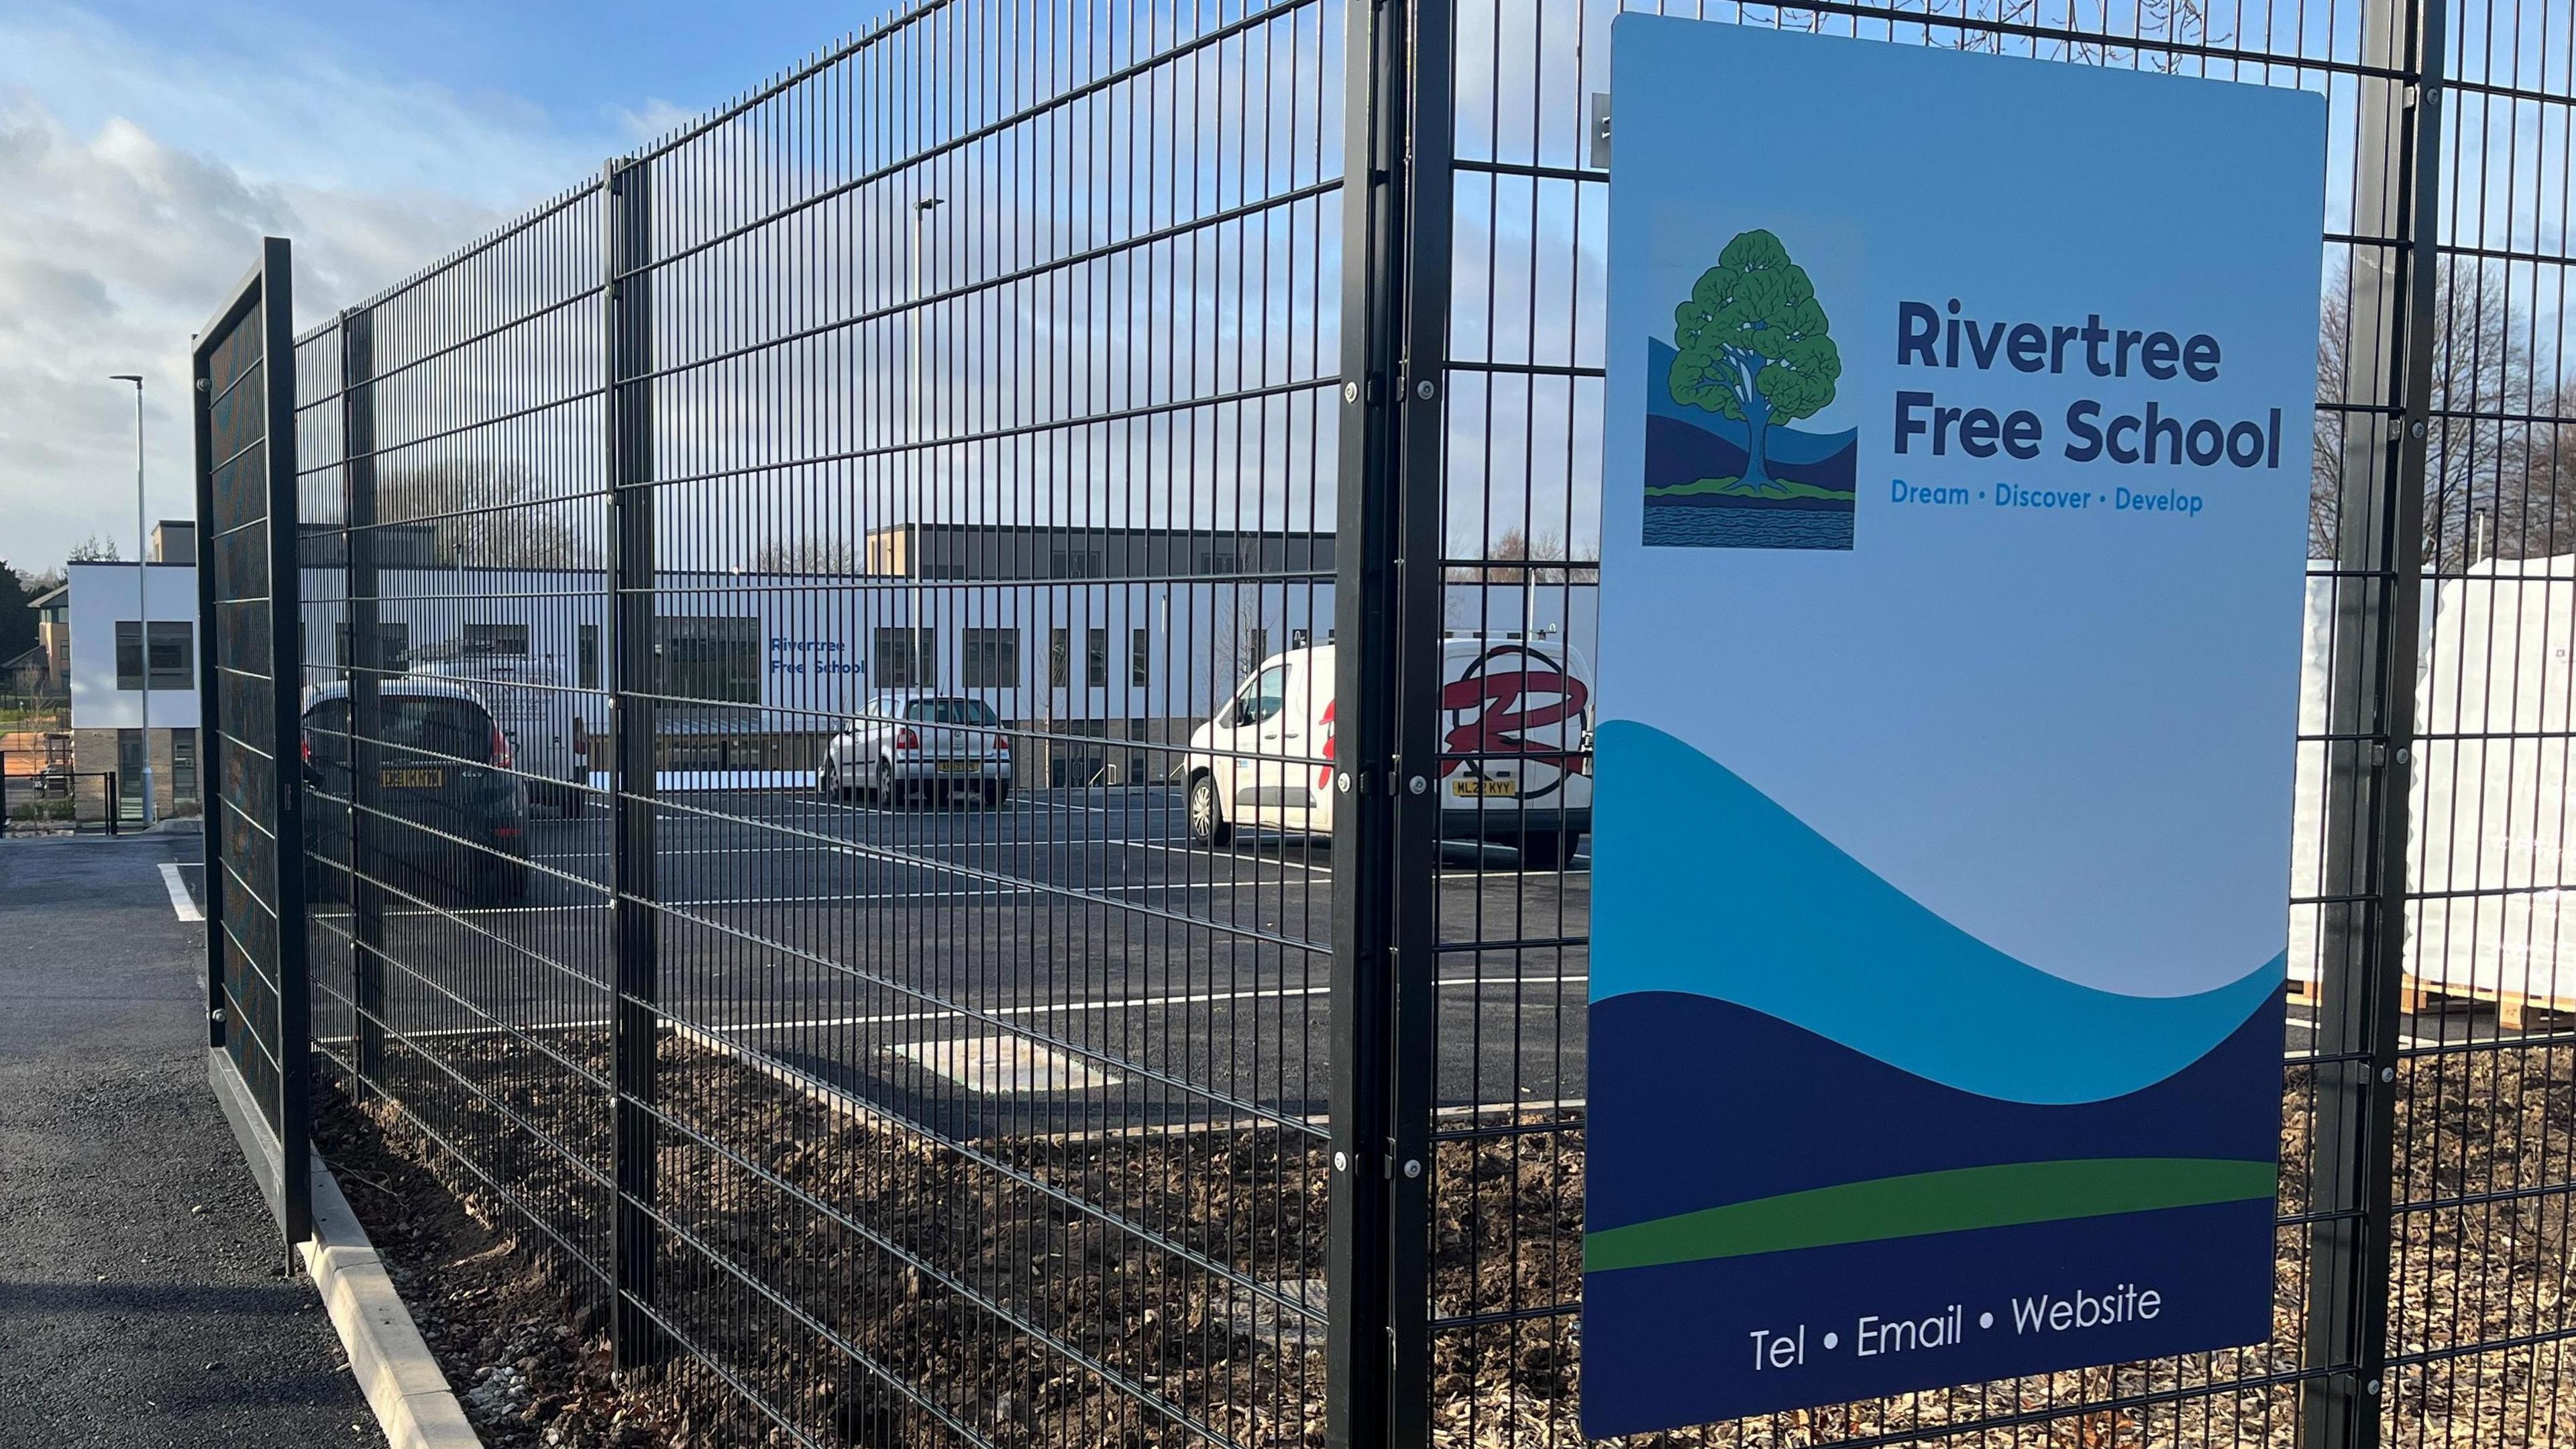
column 1515, row 765
column 531, row 699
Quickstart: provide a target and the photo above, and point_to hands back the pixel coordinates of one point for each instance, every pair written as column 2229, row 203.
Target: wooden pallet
column 2514, row 1011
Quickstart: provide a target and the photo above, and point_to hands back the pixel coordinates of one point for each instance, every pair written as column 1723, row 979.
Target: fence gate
column 247, row 680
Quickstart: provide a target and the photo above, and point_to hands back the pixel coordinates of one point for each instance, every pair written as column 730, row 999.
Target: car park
column 1514, row 767
column 451, row 810
column 917, row 745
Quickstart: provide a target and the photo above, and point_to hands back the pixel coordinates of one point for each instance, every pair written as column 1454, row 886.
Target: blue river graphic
column 1814, row 1101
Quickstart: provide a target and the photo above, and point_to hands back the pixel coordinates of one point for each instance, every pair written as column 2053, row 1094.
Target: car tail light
column 500, row 749
column 907, row 739
column 308, row 752
column 1001, row 744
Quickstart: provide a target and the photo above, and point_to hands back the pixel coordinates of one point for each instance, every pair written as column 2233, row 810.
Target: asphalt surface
column 1067, row 962
column 144, row 1298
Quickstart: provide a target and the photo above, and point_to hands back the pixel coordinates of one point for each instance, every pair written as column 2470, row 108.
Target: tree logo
column 1752, row 352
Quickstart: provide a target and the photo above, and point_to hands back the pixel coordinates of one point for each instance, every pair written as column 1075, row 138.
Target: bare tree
column 807, row 556
column 1511, row 547
column 2481, row 462
column 2534, row 515
column 97, row 548
column 488, row 514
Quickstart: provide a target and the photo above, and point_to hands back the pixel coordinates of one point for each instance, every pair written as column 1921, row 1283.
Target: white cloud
column 135, row 184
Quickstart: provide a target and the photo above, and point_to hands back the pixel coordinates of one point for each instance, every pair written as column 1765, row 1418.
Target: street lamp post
column 142, row 596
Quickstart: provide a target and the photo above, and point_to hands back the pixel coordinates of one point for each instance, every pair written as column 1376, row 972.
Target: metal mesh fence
column 247, row 597
column 835, row 656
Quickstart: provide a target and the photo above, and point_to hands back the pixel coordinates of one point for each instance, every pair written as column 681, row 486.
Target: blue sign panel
column 1954, row 511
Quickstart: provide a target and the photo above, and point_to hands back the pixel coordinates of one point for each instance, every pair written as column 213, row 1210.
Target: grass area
column 1736, row 488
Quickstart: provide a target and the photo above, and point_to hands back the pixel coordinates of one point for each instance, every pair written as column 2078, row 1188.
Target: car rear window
column 951, row 711
column 437, row 725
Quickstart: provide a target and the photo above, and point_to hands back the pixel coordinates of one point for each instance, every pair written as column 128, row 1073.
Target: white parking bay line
column 1005, row 1066
column 180, row 901
column 1203, row 853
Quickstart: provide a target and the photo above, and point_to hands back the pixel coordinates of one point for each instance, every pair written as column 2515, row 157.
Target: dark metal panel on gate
column 259, row 1027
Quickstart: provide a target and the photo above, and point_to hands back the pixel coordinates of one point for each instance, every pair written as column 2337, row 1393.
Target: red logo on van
column 1533, row 696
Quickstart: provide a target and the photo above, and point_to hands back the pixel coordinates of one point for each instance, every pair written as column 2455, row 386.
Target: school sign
column 1959, row 418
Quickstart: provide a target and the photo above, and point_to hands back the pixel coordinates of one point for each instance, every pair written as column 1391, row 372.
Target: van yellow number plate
column 413, row 779
column 1490, row 789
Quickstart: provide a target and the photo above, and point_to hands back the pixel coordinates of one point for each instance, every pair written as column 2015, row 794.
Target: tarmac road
column 143, row 1295
column 1066, row 962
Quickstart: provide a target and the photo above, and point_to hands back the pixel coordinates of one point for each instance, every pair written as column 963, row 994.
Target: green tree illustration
column 1753, row 346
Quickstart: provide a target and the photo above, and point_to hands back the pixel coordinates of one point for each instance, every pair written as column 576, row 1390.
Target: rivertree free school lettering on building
column 1940, row 337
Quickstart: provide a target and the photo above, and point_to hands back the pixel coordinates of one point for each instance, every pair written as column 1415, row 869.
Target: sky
column 145, row 147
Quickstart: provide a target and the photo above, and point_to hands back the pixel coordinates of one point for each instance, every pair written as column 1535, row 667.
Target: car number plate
column 1496, row 787
column 957, row 767
column 413, row 779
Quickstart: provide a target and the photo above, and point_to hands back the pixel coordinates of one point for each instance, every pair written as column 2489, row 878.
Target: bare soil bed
column 1178, row 1275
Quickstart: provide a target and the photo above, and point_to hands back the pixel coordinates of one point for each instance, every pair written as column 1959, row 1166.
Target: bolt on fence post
column 2371, row 722
column 626, row 200
column 366, row 668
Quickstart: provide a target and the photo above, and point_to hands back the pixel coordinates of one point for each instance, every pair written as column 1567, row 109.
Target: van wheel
column 827, row 782
column 885, row 792
column 1542, row 852
column 1207, row 814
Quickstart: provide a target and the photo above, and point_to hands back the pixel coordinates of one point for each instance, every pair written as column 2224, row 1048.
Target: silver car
column 916, row 745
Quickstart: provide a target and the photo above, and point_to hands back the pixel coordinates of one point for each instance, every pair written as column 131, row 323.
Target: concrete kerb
column 393, row 1365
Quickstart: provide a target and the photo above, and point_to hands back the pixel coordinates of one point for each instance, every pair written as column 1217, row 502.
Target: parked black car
column 454, row 813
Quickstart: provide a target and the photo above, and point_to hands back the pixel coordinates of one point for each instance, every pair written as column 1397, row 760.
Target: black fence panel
column 903, row 775
column 258, row 1025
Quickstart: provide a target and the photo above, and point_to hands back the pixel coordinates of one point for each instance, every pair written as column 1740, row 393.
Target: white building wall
column 818, row 633
column 102, row 595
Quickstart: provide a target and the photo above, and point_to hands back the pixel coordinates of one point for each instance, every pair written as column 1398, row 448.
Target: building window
column 1140, row 658
column 992, row 658
column 494, row 639
column 1095, row 671
column 183, row 764
column 588, row 651
column 1059, row 658
column 906, row 659
column 716, row 661
column 397, row 641
column 174, row 655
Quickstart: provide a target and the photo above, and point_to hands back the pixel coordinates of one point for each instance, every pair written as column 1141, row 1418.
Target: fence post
column 627, row 199
column 366, row 667
column 1388, row 615
column 285, row 744
column 2371, row 720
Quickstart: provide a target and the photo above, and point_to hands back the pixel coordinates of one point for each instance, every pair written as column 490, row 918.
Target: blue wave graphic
column 1697, row 1103
column 1703, row 885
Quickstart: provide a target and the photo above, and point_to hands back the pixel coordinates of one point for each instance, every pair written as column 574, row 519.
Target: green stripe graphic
column 1931, row 1202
